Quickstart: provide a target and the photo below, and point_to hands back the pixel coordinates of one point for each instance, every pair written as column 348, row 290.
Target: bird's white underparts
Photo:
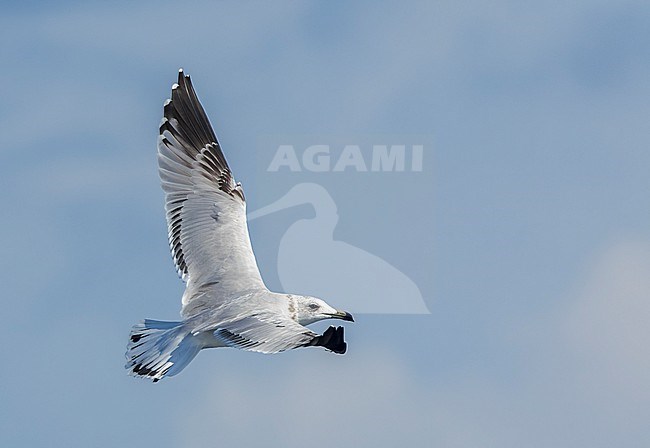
column 225, row 303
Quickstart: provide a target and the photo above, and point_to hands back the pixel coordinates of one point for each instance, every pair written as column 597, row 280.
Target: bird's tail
column 157, row 349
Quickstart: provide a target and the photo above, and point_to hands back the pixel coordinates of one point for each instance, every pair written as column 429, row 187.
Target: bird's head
column 310, row 309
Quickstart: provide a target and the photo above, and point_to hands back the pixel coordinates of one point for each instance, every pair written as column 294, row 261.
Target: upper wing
column 206, row 209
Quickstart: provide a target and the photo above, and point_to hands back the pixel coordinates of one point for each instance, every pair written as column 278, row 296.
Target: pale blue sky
column 527, row 232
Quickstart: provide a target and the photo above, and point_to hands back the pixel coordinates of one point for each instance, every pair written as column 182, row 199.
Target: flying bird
column 225, row 303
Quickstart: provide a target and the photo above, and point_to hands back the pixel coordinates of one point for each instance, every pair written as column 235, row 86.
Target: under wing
column 205, row 207
column 264, row 335
column 260, row 334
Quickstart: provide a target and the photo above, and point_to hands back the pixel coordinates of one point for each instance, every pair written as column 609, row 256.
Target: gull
column 225, row 303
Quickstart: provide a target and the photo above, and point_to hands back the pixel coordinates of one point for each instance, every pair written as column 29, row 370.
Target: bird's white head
column 307, row 310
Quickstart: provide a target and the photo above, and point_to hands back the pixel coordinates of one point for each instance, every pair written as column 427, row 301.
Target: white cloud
column 587, row 363
column 608, row 328
column 363, row 400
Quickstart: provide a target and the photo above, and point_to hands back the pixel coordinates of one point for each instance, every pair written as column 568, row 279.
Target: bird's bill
column 343, row 315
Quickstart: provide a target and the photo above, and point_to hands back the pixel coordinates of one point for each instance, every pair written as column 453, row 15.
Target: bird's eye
column 313, row 306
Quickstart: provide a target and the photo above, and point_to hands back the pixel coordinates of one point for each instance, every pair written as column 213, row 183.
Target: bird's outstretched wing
column 206, row 209
column 259, row 334
column 273, row 335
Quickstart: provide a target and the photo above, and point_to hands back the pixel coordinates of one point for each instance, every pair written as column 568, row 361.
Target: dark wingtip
column 332, row 340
